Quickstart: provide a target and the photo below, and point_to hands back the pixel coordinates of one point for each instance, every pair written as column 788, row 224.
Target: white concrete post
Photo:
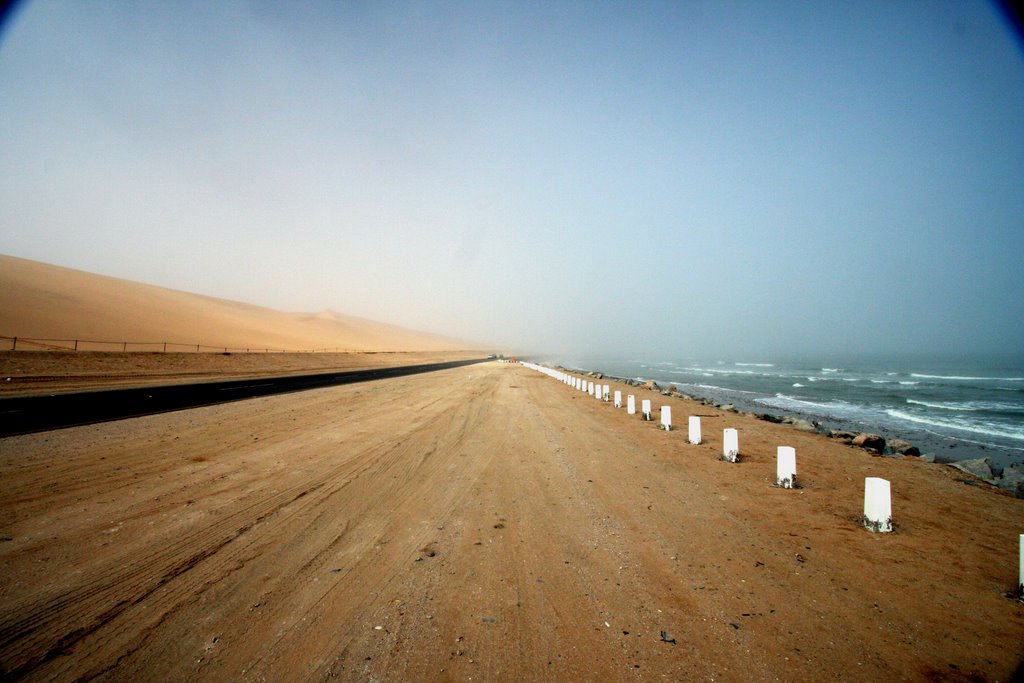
column 607, row 389
column 580, row 385
column 1020, row 579
column 618, row 399
column 666, row 418
column 785, row 467
column 694, row 429
column 731, row 445
column 645, row 409
column 590, row 388
column 877, row 504
column 598, row 391
column 631, row 405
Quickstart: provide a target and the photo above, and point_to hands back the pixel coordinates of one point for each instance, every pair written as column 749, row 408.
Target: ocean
column 958, row 409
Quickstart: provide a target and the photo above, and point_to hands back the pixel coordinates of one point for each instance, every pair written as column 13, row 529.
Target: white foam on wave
column 831, row 370
column 797, row 385
column 971, row 406
column 909, row 383
column 716, row 388
column 946, row 405
column 964, row 378
column 987, row 429
column 793, row 403
column 726, row 371
column 757, row 365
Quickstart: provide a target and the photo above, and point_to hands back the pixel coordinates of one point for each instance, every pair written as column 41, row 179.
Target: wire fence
column 33, row 344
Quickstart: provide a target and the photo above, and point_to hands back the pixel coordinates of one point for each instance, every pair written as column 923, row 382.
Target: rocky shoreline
column 1009, row 478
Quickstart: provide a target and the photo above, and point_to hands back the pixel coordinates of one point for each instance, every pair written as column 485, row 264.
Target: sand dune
column 43, row 301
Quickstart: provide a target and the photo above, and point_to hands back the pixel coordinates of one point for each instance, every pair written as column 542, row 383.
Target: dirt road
column 23, row 373
column 487, row 523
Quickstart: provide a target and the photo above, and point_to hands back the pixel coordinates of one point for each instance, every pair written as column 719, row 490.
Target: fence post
column 76, row 345
column 165, row 347
column 785, row 467
column 877, row 504
column 730, row 444
column 694, row 429
column 124, row 346
column 14, row 346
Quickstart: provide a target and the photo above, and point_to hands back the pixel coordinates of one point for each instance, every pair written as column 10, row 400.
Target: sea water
column 956, row 408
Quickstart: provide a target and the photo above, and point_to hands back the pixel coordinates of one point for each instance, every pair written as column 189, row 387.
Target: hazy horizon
column 703, row 180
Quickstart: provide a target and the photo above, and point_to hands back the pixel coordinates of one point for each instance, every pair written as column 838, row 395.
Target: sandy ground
column 488, row 523
column 33, row 372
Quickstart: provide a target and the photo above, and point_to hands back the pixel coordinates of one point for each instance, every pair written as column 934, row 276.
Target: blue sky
column 663, row 179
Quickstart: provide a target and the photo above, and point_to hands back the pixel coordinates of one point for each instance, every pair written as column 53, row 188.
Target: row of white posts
column 877, row 498
column 877, row 495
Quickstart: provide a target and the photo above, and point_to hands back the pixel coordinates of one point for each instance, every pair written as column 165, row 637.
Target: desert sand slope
column 44, row 301
column 488, row 523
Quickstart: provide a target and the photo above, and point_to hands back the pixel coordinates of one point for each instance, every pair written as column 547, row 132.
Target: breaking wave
column 987, row 429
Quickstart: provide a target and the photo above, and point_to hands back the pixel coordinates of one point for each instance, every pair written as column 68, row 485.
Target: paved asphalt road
column 26, row 414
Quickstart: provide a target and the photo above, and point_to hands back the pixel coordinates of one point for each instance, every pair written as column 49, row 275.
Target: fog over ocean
column 956, row 408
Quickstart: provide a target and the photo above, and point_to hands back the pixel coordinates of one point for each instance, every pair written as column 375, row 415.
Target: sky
column 644, row 180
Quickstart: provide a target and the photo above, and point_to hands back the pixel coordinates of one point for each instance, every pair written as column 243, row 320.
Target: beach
column 955, row 409
column 489, row 522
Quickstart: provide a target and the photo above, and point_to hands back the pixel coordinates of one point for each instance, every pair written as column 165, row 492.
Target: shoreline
column 1003, row 469
column 958, row 409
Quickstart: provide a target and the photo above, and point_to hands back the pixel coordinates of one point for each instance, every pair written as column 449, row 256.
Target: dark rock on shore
column 768, row 418
column 651, row 385
column 801, row 424
column 869, row 442
column 843, row 436
column 1013, row 480
column 901, row 447
column 1010, row 479
column 979, row 467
